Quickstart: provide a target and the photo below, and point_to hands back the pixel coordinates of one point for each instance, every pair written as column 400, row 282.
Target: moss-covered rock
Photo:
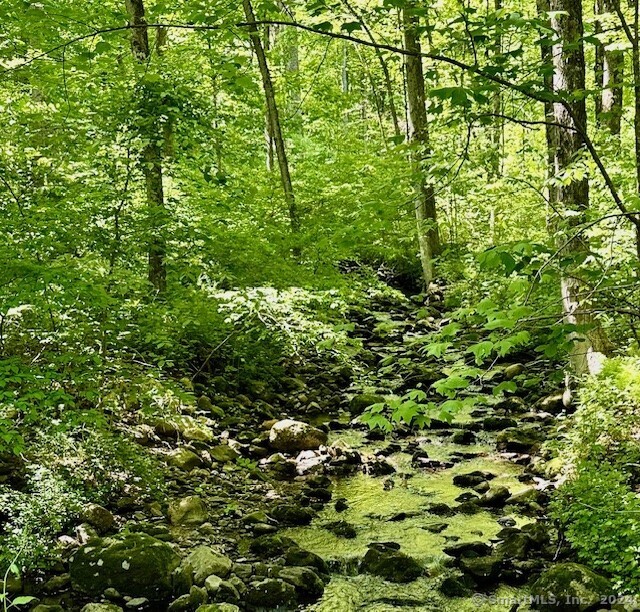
column 184, row 459
column 268, row 546
column 390, row 564
column 205, row 562
column 308, row 585
column 134, row 564
column 571, row 587
column 519, row 440
column 359, row 403
column 304, row 558
column 484, row 570
column 292, row 514
column 223, row 453
column 270, row 593
column 187, row 511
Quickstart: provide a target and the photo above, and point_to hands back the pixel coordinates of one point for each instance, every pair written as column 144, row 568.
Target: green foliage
column 607, row 422
column 598, row 506
column 599, row 514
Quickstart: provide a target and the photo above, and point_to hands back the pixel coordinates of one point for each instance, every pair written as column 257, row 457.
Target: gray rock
column 101, row 607
column 293, row 436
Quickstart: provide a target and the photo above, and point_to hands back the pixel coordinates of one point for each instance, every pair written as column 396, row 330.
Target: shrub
column 607, row 422
column 600, row 515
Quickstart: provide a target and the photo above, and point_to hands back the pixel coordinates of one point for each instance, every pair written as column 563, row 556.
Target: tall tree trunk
column 344, row 73
column 497, row 130
column 549, row 116
column 425, row 201
column 635, row 61
column 383, row 66
column 274, row 117
column 609, row 73
column 152, row 157
column 572, row 199
column 269, row 138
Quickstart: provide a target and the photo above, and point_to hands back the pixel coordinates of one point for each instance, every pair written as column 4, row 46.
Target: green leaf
column 351, row 26
column 22, row 600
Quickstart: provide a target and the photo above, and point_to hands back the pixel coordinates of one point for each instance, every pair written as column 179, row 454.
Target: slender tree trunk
column 632, row 33
column 498, row 125
column 635, row 60
column 572, row 199
column 344, row 74
column 269, row 139
column 425, row 202
column 383, row 66
column 152, row 157
column 609, row 74
column 550, row 130
column 274, row 117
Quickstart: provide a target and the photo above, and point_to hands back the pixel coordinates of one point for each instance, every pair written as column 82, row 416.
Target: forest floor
column 331, row 515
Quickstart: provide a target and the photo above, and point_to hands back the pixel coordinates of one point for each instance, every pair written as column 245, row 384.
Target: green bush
column 600, row 516
column 606, row 426
column 597, row 507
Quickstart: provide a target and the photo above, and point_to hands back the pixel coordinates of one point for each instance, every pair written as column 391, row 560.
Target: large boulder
column 134, row 564
column 293, row 436
column 570, row 587
column 389, row 563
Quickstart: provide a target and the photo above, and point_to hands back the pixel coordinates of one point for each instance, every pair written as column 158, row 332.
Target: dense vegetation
column 207, row 195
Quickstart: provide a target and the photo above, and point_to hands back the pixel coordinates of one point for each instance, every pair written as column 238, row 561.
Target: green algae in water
column 371, row 594
column 371, row 509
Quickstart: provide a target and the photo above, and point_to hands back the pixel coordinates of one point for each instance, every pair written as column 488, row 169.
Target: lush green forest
column 325, row 305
